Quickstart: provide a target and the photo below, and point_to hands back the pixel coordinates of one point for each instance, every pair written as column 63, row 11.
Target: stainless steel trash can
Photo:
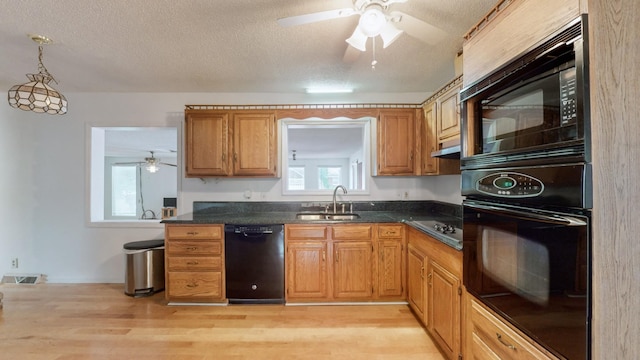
column 144, row 272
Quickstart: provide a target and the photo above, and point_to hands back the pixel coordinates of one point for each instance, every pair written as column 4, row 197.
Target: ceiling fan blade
column 163, row 163
column 130, row 163
column 315, row 17
column 418, row 29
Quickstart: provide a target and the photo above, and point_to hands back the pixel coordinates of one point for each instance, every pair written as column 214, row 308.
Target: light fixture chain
column 43, row 69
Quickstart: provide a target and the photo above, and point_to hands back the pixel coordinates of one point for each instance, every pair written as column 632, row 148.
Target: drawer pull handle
column 499, row 336
column 192, row 263
column 192, row 285
column 192, row 233
column 192, row 248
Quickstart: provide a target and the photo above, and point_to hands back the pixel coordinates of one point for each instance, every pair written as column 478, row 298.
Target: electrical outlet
column 405, row 195
column 14, row 263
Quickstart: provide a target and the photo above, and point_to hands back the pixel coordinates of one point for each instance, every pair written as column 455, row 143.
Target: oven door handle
column 553, row 219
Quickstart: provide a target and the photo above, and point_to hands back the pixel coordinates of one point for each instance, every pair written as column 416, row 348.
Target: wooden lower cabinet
column 194, row 263
column 487, row 337
column 416, row 282
column 444, row 293
column 435, row 289
column 306, row 270
column 391, row 262
column 340, row 263
column 352, row 269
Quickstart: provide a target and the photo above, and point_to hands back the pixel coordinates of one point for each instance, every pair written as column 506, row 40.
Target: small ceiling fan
column 375, row 19
column 152, row 163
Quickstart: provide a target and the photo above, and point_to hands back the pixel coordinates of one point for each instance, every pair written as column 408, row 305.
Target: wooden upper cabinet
column 448, row 125
column 441, row 128
column 429, row 140
column 222, row 143
column 511, row 28
column 396, row 142
column 254, row 144
column 207, row 146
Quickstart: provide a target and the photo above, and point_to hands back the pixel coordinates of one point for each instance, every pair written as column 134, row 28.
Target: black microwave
column 533, row 110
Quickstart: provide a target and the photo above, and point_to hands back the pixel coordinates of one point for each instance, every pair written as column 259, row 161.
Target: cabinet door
column 390, row 267
column 206, row 144
column 352, row 269
column 444, row 310
column 449, row 117
column 429, row 139
column 396, row 142
column 254, row 144
column 306, row 269
column 415, row 281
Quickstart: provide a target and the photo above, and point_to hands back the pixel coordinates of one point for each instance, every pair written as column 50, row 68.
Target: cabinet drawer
column 306, row 232
column 390, row 231
column 195, row 285
column 194, row 232
column 490, row 333
column 194, row 263
column 352, row 232
column 194, row 247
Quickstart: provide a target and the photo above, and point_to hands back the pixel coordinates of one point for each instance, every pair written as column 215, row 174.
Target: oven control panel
column 510, row 185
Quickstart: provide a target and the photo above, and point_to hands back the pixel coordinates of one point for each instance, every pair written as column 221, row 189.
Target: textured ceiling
column 222, row 46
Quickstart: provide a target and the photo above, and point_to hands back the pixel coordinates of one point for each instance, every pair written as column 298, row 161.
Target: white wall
column 43, row 179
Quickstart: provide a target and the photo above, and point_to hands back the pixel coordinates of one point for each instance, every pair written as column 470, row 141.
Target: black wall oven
column 527, row 251
column 526, row 176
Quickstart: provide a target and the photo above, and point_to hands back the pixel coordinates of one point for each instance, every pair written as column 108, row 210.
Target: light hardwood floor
column 97, row 321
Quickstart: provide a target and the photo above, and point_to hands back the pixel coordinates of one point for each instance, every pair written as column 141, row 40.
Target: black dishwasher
column 254, row 264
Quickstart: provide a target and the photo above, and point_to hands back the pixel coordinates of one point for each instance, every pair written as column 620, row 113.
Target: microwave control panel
column 510, row 185
column 568, row 97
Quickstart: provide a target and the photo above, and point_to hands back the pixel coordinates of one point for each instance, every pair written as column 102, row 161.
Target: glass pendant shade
column 358, row 40
column 38, row 96
column 152, row 164
column 389, row 34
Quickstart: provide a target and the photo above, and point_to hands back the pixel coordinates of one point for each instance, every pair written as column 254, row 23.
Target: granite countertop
column 415, row 215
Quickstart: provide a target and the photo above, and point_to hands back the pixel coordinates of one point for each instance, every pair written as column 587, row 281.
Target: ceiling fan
column 152, row 163
column 375, row 19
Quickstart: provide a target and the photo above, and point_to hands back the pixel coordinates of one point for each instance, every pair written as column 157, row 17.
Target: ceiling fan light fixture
column 37, row 95
column 152, row 165
column 372, row 20
column 358, row 40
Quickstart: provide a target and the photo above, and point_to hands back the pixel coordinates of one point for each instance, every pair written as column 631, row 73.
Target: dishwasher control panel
column 248, row 229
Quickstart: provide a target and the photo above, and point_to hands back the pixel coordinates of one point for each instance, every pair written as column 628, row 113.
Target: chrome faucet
column 334, row 195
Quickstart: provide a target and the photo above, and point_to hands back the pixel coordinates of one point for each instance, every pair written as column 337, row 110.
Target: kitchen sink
column 327, row 216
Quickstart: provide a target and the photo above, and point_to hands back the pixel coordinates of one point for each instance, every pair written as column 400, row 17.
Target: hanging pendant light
column 37, row 95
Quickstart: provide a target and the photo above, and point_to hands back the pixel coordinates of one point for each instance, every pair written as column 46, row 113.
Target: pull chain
column 374, row 61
